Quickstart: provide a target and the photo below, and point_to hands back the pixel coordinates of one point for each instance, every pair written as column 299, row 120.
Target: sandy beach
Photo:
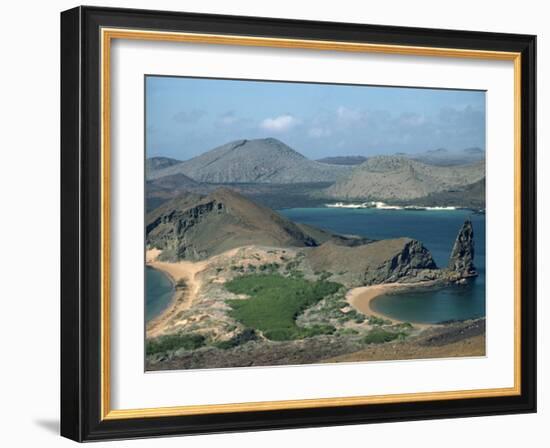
column 361, row 298
column 190, row 272
column 183, row 297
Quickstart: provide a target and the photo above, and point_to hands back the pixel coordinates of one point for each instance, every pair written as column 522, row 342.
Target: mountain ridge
column 343, row 160
column 193, row 226
column 399, row 178
column 446, row 157
column 156, row 163
column 265, row 160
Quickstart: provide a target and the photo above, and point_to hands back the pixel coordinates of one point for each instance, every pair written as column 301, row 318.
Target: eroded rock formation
column 384, row 261
column 462, row 255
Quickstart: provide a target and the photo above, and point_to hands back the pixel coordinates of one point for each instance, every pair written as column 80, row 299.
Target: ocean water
column 158, row 292
column 437, row 230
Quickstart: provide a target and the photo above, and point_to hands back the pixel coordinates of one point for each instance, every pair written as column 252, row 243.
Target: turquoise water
column 158, row 292
column 437, row 230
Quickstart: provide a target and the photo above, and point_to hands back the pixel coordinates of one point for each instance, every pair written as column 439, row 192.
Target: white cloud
column 228, row 118
column 319, row 132
column 411, row 119
column 347, row 116
column 282, row 123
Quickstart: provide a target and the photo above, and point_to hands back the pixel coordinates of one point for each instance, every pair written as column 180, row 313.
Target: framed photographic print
column 273, row 223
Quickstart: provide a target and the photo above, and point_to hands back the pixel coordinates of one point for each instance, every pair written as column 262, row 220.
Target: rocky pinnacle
column 462, row 256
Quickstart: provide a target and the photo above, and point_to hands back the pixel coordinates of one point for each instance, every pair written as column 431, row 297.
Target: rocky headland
column 233, row 258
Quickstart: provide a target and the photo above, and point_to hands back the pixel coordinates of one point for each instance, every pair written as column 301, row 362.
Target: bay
column 437, row 230
column 159, row 290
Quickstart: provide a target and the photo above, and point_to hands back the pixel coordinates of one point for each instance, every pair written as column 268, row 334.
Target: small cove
column 159, row 290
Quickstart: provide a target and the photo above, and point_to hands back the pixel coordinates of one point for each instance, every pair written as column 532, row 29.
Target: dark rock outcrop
column 462, row 255
column 410, row 263
column 385, row 261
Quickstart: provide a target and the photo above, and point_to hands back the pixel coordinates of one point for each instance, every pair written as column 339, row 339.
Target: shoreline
column 172, row 296
column 398, row 207
column 360, row 299
column 181, row 299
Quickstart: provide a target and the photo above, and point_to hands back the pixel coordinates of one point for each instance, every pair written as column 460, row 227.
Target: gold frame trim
column 107, row 35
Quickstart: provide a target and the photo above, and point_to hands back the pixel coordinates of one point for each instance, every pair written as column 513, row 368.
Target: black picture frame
column 81, row 224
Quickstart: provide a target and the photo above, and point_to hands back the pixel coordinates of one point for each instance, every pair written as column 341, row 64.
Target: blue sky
column 187, row 116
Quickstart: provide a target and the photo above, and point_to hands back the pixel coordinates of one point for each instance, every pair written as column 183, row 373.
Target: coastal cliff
column 208, row 225
column 196, row 227
column 384, row 261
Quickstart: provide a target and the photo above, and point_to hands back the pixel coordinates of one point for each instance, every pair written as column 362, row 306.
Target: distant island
column 438, row 157
column 271, row 173
column 343, row 160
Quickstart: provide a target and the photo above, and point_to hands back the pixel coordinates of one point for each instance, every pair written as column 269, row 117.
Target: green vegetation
column 347, row 332
column 375, row 320
column 379, row 336
column 318, row 329
column 334, row 308
column 171, row 342
column 275, row 302
column 403, row 326
column 296, row 274
column 269, row 267
column 248, row 334
column 292, row 265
